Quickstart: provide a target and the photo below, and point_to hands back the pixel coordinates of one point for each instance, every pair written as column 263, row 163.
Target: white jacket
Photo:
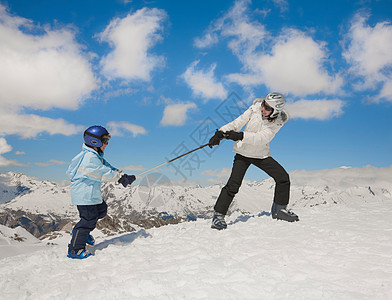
column 258, row 133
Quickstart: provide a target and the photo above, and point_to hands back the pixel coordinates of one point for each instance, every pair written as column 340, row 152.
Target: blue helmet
column 93, row 136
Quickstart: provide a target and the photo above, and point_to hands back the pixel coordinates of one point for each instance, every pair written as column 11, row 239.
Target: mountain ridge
column 43, row 206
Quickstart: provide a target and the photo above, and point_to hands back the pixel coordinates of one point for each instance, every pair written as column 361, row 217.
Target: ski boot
column 79, row 254
column 218, row 221
column 90, row 239
column 280, row 212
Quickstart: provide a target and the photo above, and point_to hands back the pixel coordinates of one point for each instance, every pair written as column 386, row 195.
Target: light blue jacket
column 86, row 171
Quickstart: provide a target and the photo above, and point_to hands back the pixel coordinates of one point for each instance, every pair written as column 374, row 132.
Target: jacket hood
column 258, row 100
column 87, row 148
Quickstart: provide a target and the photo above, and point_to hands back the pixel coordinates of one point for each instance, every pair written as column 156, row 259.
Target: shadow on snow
column 245, row 218
column 121, row 240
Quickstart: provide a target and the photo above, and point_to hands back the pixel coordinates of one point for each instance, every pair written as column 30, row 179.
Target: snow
column 335, row 251
column 17, row 241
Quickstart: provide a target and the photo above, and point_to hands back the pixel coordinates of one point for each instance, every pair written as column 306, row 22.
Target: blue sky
column 163, row 75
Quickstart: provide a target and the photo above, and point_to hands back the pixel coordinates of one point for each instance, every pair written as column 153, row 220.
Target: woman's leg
column 279, row 174
column 228, row 192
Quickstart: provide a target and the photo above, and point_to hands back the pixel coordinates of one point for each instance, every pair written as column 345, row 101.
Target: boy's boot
column 79, row 254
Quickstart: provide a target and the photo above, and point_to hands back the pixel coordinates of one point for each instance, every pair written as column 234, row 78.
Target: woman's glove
column 126, row 179
column 233, row 135
column 215, row 140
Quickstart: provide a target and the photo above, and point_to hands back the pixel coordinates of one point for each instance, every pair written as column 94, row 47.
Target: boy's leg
column 88, row 220
column 102, row 210
column 228, row 192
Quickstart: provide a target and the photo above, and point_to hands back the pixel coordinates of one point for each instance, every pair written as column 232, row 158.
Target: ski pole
column 173, row 159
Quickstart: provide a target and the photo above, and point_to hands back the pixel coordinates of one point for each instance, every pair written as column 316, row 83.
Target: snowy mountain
column 335, row 251
column 38, row 206
column 340, row 249
column 43, row 206
column 17, row 241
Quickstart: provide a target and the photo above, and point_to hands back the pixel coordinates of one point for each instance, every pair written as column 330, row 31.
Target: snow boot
column 280, row 212
column 90, row 239
column 79, row 254
column 218, row 221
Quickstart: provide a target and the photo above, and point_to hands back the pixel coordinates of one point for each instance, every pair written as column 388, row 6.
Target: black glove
column 126, row 179
column 233, row 135
column 215, row 140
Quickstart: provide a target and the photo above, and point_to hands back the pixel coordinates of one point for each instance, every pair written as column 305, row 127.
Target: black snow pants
column 240, row 165
column 89, row 215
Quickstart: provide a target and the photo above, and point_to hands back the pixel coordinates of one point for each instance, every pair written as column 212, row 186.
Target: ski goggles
column 266, row 106
column 105, row 139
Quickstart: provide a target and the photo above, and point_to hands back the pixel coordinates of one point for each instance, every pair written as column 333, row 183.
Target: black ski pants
column 240, row 165
column 89, row 215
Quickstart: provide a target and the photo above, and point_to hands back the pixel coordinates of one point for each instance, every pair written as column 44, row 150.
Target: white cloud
column 283, row 5
column 209, row 39
column 315, row 109
column 133, row 168
column 118, row 128
column 5, row 148
column 203, row 83
column 20, row 153
column 235, row 24
column 29, row 126
column 176, row 114
column 41, row 71
column 295, row 66
column 369, row 54
column 291, row 62
column 132, row 38
column 224, row 173
column 51, row 162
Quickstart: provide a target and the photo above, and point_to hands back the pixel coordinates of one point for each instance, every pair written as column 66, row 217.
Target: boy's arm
column 95, row 169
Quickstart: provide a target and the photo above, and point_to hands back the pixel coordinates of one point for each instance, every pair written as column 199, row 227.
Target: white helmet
column 276, row 101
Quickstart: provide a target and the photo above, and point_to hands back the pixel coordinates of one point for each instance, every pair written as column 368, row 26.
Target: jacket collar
column 86, row 148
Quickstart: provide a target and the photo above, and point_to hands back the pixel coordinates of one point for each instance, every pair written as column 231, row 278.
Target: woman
column 262, row 121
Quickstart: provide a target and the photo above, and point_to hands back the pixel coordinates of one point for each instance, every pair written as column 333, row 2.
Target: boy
column 86, row 171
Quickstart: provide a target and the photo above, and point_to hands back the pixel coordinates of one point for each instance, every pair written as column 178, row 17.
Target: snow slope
column 16, row 241
column 336, row 251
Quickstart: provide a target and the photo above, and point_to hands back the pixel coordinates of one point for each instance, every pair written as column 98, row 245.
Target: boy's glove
column 215, row 140
column 233, row 135
column 126, row 179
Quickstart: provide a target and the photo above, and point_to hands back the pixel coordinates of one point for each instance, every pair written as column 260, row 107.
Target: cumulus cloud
column 176, row 114
column 119, row 128
column 203, row 82
column 368, row 51
column 5, row 148
column 41, row 71
column 132, row 38
column 244, row 34
column 291, row 62
column 30, row 126
column 295, row 65
column 315, row 109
